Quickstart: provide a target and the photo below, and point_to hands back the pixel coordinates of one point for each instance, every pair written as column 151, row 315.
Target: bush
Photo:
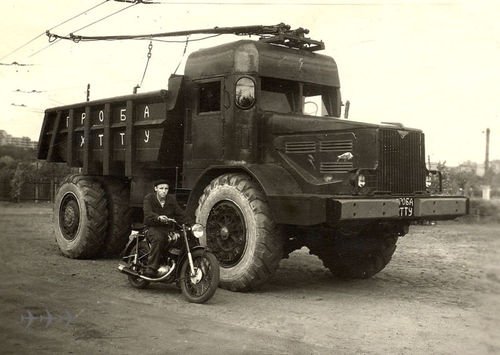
column 483, row 211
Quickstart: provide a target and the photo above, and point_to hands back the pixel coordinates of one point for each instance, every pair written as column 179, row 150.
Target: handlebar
column 180, row 225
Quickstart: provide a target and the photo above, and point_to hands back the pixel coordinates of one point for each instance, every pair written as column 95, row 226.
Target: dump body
column 126, row 136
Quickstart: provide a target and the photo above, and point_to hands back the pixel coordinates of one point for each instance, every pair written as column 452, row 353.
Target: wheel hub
column 69, row 217
column 198, row 275
column 226, row 233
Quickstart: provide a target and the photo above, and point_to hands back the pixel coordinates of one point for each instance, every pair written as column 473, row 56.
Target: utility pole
column 487, row 157
column 487, row 176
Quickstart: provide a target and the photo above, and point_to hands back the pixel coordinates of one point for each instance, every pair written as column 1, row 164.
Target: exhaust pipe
column 126, row 270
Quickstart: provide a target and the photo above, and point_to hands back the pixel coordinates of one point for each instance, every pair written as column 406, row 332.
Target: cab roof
column 263, row 59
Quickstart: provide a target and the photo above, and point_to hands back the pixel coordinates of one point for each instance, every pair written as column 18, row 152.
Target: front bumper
column 432, row 208
column 318, row 209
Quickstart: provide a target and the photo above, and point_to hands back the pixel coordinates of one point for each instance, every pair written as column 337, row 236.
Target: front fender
column 273, row 179
column 184, row 256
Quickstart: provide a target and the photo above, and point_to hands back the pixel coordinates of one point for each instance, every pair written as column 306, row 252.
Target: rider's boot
column 150, row 272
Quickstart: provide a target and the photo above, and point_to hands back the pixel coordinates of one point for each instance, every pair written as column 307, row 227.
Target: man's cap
column 160, row 182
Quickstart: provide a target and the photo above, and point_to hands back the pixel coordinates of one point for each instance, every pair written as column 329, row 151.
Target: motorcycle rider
column 159, row 209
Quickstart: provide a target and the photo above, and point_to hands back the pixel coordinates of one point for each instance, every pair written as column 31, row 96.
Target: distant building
column 494, row 167
column 468, row 166
column 22, row 142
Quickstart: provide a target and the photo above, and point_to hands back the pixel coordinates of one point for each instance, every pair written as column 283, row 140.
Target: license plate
column 406, row 206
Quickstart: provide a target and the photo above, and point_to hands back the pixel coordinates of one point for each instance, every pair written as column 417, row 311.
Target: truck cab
column 234, row 85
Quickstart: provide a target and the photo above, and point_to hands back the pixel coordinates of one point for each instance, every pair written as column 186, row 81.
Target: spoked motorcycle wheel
column 201, row 286
column 142, row 261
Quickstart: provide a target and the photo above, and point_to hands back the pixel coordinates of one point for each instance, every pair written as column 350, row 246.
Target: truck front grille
column 401, row 161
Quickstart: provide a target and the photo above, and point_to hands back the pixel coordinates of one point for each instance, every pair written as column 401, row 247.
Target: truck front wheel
column 355, row 257
column 240, row 231
column 80, row 217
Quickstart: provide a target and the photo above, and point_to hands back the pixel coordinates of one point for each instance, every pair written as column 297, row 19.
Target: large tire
column 240, row 231
column 80, row 217
column 355, row 257
column 118, row 194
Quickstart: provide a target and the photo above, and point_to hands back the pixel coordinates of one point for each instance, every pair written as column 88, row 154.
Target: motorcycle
column 185, row 262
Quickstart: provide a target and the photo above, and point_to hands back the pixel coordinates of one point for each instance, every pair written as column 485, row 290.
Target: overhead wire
column 106, row 17
column 59, row 24
column 53, row 40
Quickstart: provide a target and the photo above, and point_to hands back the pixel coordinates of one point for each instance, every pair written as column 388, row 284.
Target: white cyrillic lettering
column 82, row 141
column 146, row 112
column 123, row 116
column 83, row 117
column 122, row 134
column 101, row 116
column 67, row 121
column 100, row 138
column 146, row 133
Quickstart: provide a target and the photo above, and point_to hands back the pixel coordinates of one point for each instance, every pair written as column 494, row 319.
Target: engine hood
column 324, row 151
column 279, row 124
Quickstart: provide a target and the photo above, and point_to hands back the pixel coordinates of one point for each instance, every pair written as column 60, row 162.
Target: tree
column 17, row 153
column 6, row 161
column 24, row 172
column 461, row 180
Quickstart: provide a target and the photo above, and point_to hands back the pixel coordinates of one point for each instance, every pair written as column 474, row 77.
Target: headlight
column 197, row 230
column 361, row 180
column 428, row 180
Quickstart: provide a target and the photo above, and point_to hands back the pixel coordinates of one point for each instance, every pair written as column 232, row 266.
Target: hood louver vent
column 335, row 146
column 300, row 147
column 335, row 167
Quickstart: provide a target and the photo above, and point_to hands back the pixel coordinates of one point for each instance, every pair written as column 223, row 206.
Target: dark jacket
column 152, row 210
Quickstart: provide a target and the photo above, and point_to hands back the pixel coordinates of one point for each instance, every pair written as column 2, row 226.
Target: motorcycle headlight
column 197, row 230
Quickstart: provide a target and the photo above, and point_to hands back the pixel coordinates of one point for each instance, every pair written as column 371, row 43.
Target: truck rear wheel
column 355, row 257
column 118, row 193
column 240, row 231
column 80, row 217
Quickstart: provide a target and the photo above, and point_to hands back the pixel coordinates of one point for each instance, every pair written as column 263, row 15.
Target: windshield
column 286, row 96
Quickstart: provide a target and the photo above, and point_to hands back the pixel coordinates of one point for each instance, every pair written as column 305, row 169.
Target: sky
column 432, row 65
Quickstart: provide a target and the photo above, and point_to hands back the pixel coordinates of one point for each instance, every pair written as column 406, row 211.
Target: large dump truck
column 253, row 143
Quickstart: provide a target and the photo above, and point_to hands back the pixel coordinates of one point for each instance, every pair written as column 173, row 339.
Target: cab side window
column 209, row 97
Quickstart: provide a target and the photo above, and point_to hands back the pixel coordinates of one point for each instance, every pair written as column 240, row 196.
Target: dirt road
column 440, row 294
